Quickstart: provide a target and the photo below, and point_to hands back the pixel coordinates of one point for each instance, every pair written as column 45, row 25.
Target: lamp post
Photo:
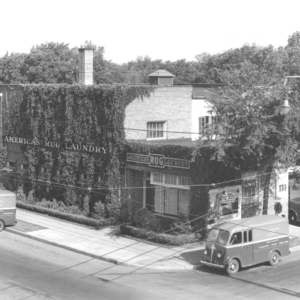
column 285, row 107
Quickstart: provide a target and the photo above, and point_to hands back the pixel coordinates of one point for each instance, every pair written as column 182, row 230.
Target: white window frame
column 176, row 183
column 209, row 121
column 282, row 188
column 164, row 130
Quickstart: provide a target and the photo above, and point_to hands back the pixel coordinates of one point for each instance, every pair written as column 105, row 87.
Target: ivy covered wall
column 60, row 124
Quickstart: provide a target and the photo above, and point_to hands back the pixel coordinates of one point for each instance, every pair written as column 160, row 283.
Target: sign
column 158, row 161
column 53, row 144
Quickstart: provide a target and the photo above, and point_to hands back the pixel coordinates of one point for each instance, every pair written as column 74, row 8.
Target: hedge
column 160, row 238
column 65, row 216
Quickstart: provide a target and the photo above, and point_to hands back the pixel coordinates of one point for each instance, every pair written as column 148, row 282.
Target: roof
column 6, row 193
column 161, row 73
column 252, row 222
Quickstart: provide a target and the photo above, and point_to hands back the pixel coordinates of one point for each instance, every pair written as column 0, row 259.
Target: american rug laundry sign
column 52, row 144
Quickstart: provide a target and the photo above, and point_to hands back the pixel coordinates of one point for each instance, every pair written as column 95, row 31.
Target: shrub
column 181, row 226
column 145, row 219
column 160, row 238
column 86, row 205
column 80, row 219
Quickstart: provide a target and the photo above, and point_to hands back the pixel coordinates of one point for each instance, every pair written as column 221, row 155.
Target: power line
column 164, row 131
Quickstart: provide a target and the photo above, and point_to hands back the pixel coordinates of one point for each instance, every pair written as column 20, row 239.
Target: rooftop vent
column 161, row 77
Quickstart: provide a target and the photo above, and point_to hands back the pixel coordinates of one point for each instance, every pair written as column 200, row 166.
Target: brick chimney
column 86, row 66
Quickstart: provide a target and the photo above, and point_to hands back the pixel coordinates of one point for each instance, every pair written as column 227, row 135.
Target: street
column 30, row 268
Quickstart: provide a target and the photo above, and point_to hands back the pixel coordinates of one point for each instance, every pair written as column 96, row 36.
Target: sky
column 160, row 29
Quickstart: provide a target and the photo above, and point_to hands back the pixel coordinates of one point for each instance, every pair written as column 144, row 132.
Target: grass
column 26, row 227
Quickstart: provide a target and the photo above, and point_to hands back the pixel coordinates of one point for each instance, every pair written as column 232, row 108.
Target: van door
column 247, row 248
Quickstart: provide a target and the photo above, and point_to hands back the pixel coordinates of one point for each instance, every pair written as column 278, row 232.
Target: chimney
column 86, row 66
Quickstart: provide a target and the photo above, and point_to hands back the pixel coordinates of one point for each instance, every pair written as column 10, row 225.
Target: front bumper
column 211, row 264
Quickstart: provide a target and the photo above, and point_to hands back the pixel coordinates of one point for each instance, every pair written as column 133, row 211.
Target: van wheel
column 274, row 258
column 292, row 217
column 232, row 267
column 2, row 225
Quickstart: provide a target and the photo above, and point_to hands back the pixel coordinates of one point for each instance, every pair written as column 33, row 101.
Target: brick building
column 177, row 115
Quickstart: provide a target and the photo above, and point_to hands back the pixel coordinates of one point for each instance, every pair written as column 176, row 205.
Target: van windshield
column 218, row 235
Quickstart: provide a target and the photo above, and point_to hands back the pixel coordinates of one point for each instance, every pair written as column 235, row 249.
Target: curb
column 62, row 246
column 293, row 248
column 116, row 262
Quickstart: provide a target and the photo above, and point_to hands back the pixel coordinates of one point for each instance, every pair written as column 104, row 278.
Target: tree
column 10, row 68
column 252, row 133
column 50, row 63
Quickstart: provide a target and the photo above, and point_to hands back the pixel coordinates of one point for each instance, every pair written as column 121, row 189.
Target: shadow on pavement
column 193, row 257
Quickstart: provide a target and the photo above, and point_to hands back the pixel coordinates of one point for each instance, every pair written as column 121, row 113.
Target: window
column 236, row 238
column 11, row 164
column 203, row 123
column 245, row 236
column 249, row 192
column 171, row 193
column 181, row 182
column 157, row 178
column 250, row 235
column 282, row 187
column 206, row 122
column 156, row 130
column 171, row 179
column 171, row 201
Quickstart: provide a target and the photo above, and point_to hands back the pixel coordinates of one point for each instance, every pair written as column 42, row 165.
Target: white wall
column 200, row 108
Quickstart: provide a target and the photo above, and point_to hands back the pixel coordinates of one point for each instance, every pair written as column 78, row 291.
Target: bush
column 80, row 219
column 145, row 219
column 181, row 226
column 160, row 238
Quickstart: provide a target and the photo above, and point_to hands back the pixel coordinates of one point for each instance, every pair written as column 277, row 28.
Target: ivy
column 85, row 115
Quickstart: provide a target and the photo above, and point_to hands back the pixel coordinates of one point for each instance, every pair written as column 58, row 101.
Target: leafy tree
column 10, row 68
column 50, row 63
column 252, row 133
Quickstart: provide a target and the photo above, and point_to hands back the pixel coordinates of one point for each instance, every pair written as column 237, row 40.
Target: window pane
column 183, row 201
column 171, row 179
column 245, row 236
column 250, row 235
column 155, row 130
column 159, row 199
column 171, row 200
column 157, row 177
column 236, row 238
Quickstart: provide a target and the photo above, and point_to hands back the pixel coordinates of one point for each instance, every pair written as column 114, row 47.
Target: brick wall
column 172, row 104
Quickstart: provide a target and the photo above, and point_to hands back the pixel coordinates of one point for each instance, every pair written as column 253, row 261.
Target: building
column 177, row 115
column 168, row 124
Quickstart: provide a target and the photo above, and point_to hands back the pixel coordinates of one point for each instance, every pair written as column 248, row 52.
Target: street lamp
column 285, row 107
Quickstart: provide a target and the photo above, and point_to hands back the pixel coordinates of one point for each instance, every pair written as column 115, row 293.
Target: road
column 32, row 270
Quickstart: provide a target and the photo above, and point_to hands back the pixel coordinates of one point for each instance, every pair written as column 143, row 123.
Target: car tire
column 292, row 217
column 274, row 258
column 2, row 225
column 232, row 267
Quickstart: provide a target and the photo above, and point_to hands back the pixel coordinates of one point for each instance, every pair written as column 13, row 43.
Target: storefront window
column 184, row 201
column 171, row 179
column 159, row 201
column 171, row 201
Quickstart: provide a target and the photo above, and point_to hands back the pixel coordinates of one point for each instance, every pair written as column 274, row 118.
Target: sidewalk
column 105, row 243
